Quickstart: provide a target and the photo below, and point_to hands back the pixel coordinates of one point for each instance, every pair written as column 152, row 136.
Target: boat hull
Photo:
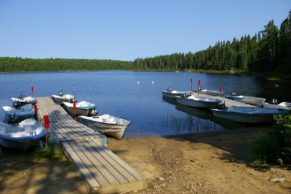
column 16, row 118
column 256, row 101
column 116, row 131
column 22, row 145
column 59, row 100
column 244, row 117
column 81, row 111
column 171, row 95
column 211, row 92
column 197, row 104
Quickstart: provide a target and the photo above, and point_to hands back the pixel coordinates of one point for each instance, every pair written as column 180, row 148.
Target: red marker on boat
column 220, row 88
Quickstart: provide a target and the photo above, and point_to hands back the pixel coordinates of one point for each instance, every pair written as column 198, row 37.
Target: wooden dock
column 103, row 171
column 228, row 102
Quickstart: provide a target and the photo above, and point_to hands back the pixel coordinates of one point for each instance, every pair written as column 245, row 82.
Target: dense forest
column 8, row 64
column 268, row 52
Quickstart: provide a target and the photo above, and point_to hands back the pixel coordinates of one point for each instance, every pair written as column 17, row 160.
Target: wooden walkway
column 228, row 102
column 104, row 171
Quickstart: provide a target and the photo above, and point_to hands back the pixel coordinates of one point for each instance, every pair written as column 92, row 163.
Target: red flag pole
column 35, row 111
column 220, row 89
column 46, row 126
column 75, row 109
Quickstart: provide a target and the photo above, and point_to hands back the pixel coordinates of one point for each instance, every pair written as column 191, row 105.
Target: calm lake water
column 137, row 96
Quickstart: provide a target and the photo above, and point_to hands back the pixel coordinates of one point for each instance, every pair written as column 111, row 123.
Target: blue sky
column 127, row 29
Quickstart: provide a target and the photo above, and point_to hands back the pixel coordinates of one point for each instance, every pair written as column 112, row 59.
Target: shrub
column 275, row 147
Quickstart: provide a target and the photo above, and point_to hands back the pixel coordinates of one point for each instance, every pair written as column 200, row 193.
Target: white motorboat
column 282, row 105
column 21, row 136
column 20, row 101
column 199, row 102
column 14, row 115
column 83, row 108
column 59, row 99
column 169, row 93
column 211, row 92
column 252, row 100
column 248, row 114
column 106, row 124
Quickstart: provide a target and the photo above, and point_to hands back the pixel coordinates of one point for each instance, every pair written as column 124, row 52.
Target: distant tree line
column 267, row 51
column 9, row 64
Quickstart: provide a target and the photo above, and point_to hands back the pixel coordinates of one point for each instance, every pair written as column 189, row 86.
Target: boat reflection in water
column 181, row 124
column 198, row 120
column 201, row 113
column 170, row 100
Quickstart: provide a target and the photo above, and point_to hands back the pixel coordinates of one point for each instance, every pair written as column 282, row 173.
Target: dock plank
column 71, row 154
column 104, row 171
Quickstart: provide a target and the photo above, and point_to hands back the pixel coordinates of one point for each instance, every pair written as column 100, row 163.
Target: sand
column 196, row 163
column 205, row 163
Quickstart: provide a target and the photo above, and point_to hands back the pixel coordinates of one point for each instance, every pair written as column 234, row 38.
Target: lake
column 137, row 96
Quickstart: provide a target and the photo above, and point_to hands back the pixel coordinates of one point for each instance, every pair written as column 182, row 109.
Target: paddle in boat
column 15, row 115
column 248, row 114
column 21, row 136
column 59, row 99
column 199, row 102
column 83, row 108
column 170, row 93
column 106, row 124
column 20, row 101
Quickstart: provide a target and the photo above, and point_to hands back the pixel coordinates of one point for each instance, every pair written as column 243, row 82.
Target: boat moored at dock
column 107, row 124
column 83, row 108
column 199, row 102
column 170, row 93
column 20, row 101
column 14, row 115
column 21, row 136
column 59, row 99
column 248, row 114
column 282, row 105
column 252, row 100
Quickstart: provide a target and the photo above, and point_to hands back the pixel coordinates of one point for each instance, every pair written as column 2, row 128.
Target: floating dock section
column 103, row 171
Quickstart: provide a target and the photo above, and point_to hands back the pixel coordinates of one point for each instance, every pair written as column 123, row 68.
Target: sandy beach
column 200, row 163
column 195, row 163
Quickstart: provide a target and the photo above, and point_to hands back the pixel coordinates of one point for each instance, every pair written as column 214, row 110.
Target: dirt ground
column 22, row 173
column 205, row 163
column 200, row 163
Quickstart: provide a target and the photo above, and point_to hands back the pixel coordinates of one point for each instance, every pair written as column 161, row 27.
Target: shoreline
column 215, row 162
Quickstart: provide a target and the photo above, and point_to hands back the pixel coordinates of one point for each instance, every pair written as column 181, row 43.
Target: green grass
column 49, row 151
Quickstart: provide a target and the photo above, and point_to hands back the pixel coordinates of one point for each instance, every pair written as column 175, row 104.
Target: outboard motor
column 274, row 101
